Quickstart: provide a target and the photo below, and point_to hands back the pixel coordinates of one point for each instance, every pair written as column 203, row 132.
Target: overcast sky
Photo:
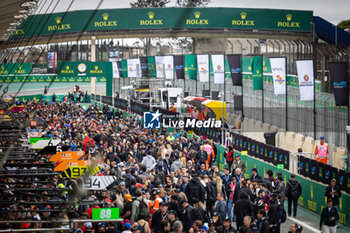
column 331, row 10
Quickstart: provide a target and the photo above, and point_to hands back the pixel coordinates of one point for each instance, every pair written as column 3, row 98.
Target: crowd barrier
column 139, row 108
column 121, row 103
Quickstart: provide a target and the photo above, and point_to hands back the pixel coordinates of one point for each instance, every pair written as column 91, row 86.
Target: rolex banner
column 278, row 67
column 219, row 68
column 160, row 67
column 144, row 66
column 124, row 68
column 179, row 66
column 305, row 69
column 151, row 67
column 115, row 70
column 257, row 73
column 169, row 67
column 191, row 66
column 134, row 68
column 203, row 67
column 339, row 77
column 234, row 61
column 120, row 68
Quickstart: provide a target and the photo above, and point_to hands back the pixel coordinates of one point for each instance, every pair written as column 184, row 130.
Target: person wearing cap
column 127, row 228
column 322, row 151
column 228, row 228
column 101, row 227
column 127, row 210
column 238, row 163
column 211, row 226
column 172, row 108
column 204, row 229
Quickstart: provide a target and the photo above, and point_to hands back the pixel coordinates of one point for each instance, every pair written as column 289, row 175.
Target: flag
column 144, row 66
column 134, row 68
column 279, row 74
column 219, row 68
column 339, row 77
column 234, row 62
column 160, row 67
column 191, row 66
column 120, row 68
column 305, row 69
column 115, row 70
column 203, row 67
column 124, row 68
column 169, row 67
column 257, row 73
column 151, row 67
column 179, row 66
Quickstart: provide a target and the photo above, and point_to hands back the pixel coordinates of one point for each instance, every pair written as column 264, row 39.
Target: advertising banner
column 203, row 67
column 279, row 74
column 235, row 65
column 134, row 68
column 144, row 66
column 219, row 68
column 305, row 69
column 191, row 66
column 160, row 67
column 179, row 66
column 257, row 73
column 339, row 76
column 120, row 68
column 115, row 69
column 169, row 67
column 152, row 67
column 125, row 68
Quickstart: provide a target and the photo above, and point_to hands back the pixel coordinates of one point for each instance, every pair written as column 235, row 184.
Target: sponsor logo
column 96, row 71
column 342, row 84
column 81, row 67
column 197, row 20
column 306, row 78
column 151, row 120
column 106, row 22
column 279, row 80
column 151, row 20
column 236, row 70
column 58, row 26
column 288, row 23
column 243, row 21
column 67, row 71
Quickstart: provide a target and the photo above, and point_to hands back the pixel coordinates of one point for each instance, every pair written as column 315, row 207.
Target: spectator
column 293, row 192
column 238, row 163
column 255, row 176
column 329, row 217
column 221, row 206
column 333, row 192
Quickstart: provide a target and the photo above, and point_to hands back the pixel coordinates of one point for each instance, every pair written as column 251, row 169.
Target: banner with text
column 169, row 67
column 191, row 66
column 219, row 68
column 279, row 74
column 160, row 65
column 257, row 73
column 339, row 76
column 179, row 66
column 305, row 69
column 234, row 62
column 203, row 67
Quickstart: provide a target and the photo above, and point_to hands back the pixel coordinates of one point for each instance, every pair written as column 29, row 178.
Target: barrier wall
column 286, row 140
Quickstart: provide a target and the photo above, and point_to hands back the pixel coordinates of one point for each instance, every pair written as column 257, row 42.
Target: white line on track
column 304, row 224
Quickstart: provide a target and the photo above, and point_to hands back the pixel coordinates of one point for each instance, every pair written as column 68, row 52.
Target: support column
column 93, row 59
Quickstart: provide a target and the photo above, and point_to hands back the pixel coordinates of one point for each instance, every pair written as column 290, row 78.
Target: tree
column 345, row 24
column 149, row 3
column 192, row 3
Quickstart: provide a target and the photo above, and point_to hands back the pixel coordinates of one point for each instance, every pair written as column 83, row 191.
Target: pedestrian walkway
column 311, row 219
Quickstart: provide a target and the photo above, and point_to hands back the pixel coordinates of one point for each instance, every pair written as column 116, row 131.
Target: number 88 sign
column 105, row 214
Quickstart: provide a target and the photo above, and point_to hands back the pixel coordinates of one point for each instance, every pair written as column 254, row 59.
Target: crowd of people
column 166, row 181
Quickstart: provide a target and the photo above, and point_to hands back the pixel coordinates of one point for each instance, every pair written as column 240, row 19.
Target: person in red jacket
column 229, row 156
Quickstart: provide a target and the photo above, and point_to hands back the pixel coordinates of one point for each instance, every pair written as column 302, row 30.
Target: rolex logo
column 2, row 67
column 58, row 20
column 105, row 16
column 243, row 15
column 289, row 17
column 197, row 14
column 67, row 67
column 151, row 15
column 96, row 67
column 19, row 67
